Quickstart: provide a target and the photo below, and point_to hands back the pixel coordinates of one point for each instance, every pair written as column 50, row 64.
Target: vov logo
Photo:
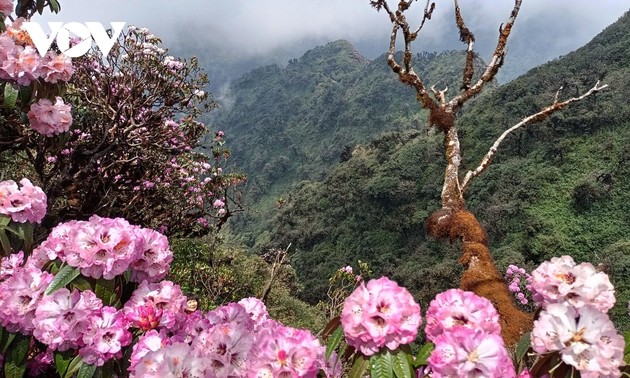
column 61, row 32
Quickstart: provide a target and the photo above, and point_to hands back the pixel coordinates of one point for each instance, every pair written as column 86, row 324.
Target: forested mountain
column 296, row 123
column 560, row 187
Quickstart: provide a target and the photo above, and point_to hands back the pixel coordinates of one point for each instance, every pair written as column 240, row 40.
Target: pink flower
column 163, row 296
column 562, row 280
column 256, row 309
column 218, row 203
column 105, row 336
column 6, row 7
column 101, row 247
column 284, row 351
column 50, row 119
column 175, row 360
column 20, row 296
column 149, row 342
column 56, row 67
column 585, row 338
column 224, row 348
column 10, row 264
column 62, row 318
column 456, row 308
column 380, row 314
column 21, row 64
column 155, row 257
column 26, row 204
column 464, row 352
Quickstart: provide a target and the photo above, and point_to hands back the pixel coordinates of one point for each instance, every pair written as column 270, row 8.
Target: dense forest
column 555, row 188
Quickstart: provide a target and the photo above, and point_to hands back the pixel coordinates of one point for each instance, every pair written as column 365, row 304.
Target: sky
column 249, row 28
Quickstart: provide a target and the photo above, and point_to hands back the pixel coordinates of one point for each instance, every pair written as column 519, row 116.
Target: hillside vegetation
column 296, row 123
column 560, row 187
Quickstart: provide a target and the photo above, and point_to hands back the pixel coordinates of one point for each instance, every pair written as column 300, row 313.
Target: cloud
column 254, row 27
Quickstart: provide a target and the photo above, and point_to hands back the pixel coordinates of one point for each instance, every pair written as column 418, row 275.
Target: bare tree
column 452, row 220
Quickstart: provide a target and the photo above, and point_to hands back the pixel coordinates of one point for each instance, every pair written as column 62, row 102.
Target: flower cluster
column 50, row 119
column 584, row 337
column 573, row 323
column 104, row 247
column 380, row 314
column 20, row 296
column 24, row 204
column 465, row 330
column 518, row 279
column 561, row 280
column 22, row 64
column 226, row 343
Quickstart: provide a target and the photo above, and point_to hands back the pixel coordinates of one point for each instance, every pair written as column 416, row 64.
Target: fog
column 238, row 30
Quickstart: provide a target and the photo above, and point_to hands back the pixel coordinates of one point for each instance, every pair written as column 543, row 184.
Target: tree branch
column 495, row 63
column 540, row 116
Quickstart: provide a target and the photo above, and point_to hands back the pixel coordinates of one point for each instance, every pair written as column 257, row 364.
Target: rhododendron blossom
column 24, row 204
column 380, row 314
column 50, row 119
column 20, row 297
column 164, row 296
column 284, row 351
column 456, row 308
column 585, row 338
column 105, row 336
column 561, row 280
column 464, row 352
column 62, row 318
column 256, row 309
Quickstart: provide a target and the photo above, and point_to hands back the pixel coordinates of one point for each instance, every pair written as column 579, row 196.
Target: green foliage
column 292, row 124
column 216, row 272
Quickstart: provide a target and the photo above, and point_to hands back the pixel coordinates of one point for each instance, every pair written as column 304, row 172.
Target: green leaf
column 9, row 339
column 10, row 96
column 19, row 349
column 333, row 341
column 81, row 283
column 523, row 346
column 359, row 367
column 401, row 363
column 86, row 371
column 62, row 361
column 13, row 370
column 15, row 363
column 423, row 355
column 105, row 289
column 62, row 278
column 4, row 220
column 75, row 365
column 5, row 242
column 381, row 365
column 25, row 94
column 54, row 6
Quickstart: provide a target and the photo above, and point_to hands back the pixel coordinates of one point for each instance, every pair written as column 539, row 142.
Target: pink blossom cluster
column 562, row 280
column 23, row 204
column 105, row 247
column 20, row 296
column 519, row 278
column 21, row 63
column 154, row 305
column 575, row 299
column 227, row 342
column 6, row 7
column 68, row 320
column 585, row 338
column 465, row 330
column 50, row 119
column 380, row 314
